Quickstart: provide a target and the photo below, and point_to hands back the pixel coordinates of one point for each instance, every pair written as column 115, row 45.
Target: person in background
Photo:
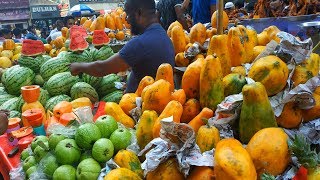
column 240, row 10
column 17, row 35
column 43, row 36
column 56, row 32
column 7, row 34
column 229, row 9
column 69, row 21
column 144, row 53
column 202, row 10
column 278, row 8
column 32, row 33
column 170, row 11
column 24, row 33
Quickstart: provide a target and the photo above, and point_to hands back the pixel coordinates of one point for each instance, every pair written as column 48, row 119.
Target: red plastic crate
column 7, row 163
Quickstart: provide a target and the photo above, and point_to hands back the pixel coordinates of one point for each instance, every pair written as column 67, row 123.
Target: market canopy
column 80, row 9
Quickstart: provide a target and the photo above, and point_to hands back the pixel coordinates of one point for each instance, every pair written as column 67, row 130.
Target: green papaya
column 233, row 84
column 256, row 111
column 211, row 86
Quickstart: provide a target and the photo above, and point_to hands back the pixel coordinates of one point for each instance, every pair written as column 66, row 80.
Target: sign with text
column 44, row 11
column 14, row 14
column 16, row 4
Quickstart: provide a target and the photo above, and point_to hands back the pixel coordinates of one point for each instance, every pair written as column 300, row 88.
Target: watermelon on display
column 107, row 84
column 104, row 53
column 61, row 83
column 78, row 39
column 20, row 103
column 52, row 67
column 5, row 97
column 100, row 38
column 11, row 104
column 16, row 77
column 55, row 100
column 33, row 63
column 93, row 81
column 38, row 80
column 14, row 114
column 44, row 96
column 62, row 54
column 3, row 91
column 113, row 97
column 32, row 47
column 46, row 57
column 82, row 89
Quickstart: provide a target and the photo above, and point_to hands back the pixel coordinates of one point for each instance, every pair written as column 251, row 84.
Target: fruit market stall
column 246, row 97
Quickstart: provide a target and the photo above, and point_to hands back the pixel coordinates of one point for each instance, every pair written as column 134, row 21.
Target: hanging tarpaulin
column 14, row 10
column 41, row 9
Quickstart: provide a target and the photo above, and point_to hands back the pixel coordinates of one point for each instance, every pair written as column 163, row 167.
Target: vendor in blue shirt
column 143, row 54
column 202, row 10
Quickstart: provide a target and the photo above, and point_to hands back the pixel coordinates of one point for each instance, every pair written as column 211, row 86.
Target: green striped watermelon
column 93, row 81
column 82, row 89
column 61, row 83
column 52, row 67
column 11, row 104
column 3, row 91
column 44, row 96
column 5, row 97
column 20, row 103
column 33, row 63
column 107, row 84
column 16, row 77
column 113, row 97
column 104, row 53
column 62, row 54
column 14, row 114
column 46, row 57
column 38, row 80
column 55, row 100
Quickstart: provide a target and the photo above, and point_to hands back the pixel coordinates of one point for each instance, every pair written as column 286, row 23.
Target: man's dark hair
column 59, row 21
column 66, row 19
column 17, row 31
column 239, row 4
column 143, row 4
column 5, row 31
column 30, row 28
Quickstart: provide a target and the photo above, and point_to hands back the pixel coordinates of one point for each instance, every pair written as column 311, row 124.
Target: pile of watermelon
column 56, row 82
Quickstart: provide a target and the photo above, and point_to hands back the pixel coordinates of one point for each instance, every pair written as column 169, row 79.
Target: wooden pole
column 220, row 16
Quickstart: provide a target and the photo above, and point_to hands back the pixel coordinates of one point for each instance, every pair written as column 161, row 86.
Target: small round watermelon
column 82, row 89
column 16, row 77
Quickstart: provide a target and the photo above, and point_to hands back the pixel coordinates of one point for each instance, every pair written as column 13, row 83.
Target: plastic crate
column 7, row 163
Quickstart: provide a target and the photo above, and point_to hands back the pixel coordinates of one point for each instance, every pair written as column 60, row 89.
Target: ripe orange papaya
column 207, row 138
column 190, row 110
column 268, row 149
column 172, row 25
column 147, row 80
column 301, row 75
column 211, row 86
column 313, row 113
column 173, row 108
column 114, row 110
column 272, row 72
column 128, row 102
column 145, row 126
column 202, row 173
column 191, row 79
column 236, row 46
column 198, row 33
column 239, row 70
column 200, row 119
column 180, row 60
column 180, row 96
column 291, row 116
column 232, row 161
column 121, row 173
column 165, row 72
column 178, row 39
column 156, row 96
column 219, row 46
column 128, row 159
column 256, row 111
column 166, row 170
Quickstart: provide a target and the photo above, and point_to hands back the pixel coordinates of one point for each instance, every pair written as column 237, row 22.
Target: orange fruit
column 120, row 35
column 111, row 35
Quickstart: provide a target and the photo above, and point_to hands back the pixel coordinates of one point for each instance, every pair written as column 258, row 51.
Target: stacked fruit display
column 9, row 52
column 81, row 156
column 57, row 83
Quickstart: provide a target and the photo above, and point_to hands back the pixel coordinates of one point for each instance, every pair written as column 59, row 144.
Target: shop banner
column 14, row 14
column 16, row 4
column 44, row 11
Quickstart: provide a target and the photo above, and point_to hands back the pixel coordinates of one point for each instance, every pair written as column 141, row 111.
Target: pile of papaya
column 209, row 78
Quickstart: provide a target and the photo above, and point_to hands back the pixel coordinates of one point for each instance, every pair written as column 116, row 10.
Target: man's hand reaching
column 75, row 68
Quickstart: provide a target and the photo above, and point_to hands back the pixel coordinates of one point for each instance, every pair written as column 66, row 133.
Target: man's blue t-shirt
column 145, row 53
column 201, row 10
